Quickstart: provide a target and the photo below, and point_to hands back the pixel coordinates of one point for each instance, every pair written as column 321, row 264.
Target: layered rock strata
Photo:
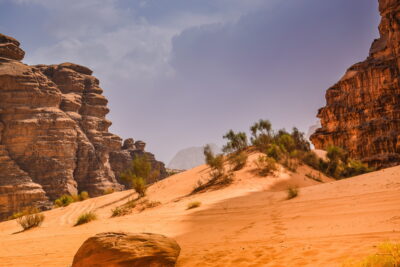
column 54, row 135
column 362, row 113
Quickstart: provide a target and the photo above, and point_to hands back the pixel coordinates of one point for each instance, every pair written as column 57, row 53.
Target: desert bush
column 31, row 218
column 238, row 160
column 193, row 205
column 266, row 166
column 64, row 201
column 388, row 255
column 274, row 151
column 356, row 167
column 261, row 134
column 120, row 211
column 86, row 218
column 151, row 204
column 236, row 141
column 286, row 142
column 139, row 173
column 124, row 209
column 108, row 191
column 311, row 159
column 16, row 215
column 215, row 162
column 84, row 195
column 292, row 192
column 290, row 164
column 313, row 177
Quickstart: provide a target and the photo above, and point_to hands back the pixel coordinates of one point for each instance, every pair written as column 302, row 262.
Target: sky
column 181, row 73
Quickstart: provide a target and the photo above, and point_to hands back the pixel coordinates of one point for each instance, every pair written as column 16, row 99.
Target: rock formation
column 123, row 250
column 54, row 136
column 362, row 113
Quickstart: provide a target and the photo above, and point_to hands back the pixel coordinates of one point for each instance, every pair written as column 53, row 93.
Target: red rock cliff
column 54, row 136
column 362, row 113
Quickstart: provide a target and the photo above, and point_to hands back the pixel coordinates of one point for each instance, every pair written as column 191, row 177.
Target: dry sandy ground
column 249, row 223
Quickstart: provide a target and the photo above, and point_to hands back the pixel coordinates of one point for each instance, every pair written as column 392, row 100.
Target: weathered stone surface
column 362, row 113
column 53, row 133
column 9, row 48
column 127, row 250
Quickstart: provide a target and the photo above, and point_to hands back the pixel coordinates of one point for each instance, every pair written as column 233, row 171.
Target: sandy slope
column 246, row 224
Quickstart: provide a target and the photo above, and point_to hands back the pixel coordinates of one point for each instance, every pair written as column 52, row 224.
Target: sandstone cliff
column 54, row 136
column 362, row 113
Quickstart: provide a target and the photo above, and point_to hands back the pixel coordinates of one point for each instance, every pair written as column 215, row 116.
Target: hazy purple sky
column 180, row 73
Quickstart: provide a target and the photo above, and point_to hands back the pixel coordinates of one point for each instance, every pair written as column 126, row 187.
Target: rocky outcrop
column 362, row 113
column 123, row 250
column 54, row 135
column 121, row 160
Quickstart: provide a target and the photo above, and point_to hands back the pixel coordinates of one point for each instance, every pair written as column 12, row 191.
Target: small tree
column 139, row 173
column 236, row 141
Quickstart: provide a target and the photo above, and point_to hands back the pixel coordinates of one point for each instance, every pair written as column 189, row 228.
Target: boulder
column 127, row 250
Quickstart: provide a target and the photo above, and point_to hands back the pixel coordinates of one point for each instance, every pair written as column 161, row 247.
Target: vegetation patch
column 292, row 192
column 193, row 205
column 139, row 173
column 86, row 218
column 266, row 166
column 30, row 218
column 388, row 255
column 238, row 160
column 65, row 200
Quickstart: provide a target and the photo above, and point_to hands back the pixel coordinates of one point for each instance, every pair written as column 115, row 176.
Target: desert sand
column 249, row 223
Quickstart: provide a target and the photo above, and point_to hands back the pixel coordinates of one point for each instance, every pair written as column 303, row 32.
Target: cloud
column 181, row 72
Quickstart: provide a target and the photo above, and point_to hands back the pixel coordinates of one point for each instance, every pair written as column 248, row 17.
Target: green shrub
column 311, row 159
column 193, row 205
column 139, row 173
column 238, row 160
column 261, row 134
column 266, row 166
column 64, row 201
column 108, row 191
column 292, row 192
column 215, row 162
column 31, row 218
column 84, row 195
column 124, row 209
column 290, row 164
column 120, row 211
column 286, row 142
column 16, row 215
column 388, row 255
column 86, row 217
column 274, row 151
column 356, row 167
column 236, row 141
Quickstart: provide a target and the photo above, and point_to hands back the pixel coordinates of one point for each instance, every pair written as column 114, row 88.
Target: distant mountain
column 191, row 157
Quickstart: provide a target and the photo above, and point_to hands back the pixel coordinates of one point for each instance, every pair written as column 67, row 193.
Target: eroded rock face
column 54, row 135
column 362, row 113
column 127, row 250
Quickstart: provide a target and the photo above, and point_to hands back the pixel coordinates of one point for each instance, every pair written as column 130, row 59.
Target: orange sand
column 249, row 223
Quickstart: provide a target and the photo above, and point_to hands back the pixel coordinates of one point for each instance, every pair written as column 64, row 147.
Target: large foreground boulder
column 125, row 249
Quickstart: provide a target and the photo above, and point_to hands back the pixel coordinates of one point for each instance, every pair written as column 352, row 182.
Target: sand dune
column 249, row 223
